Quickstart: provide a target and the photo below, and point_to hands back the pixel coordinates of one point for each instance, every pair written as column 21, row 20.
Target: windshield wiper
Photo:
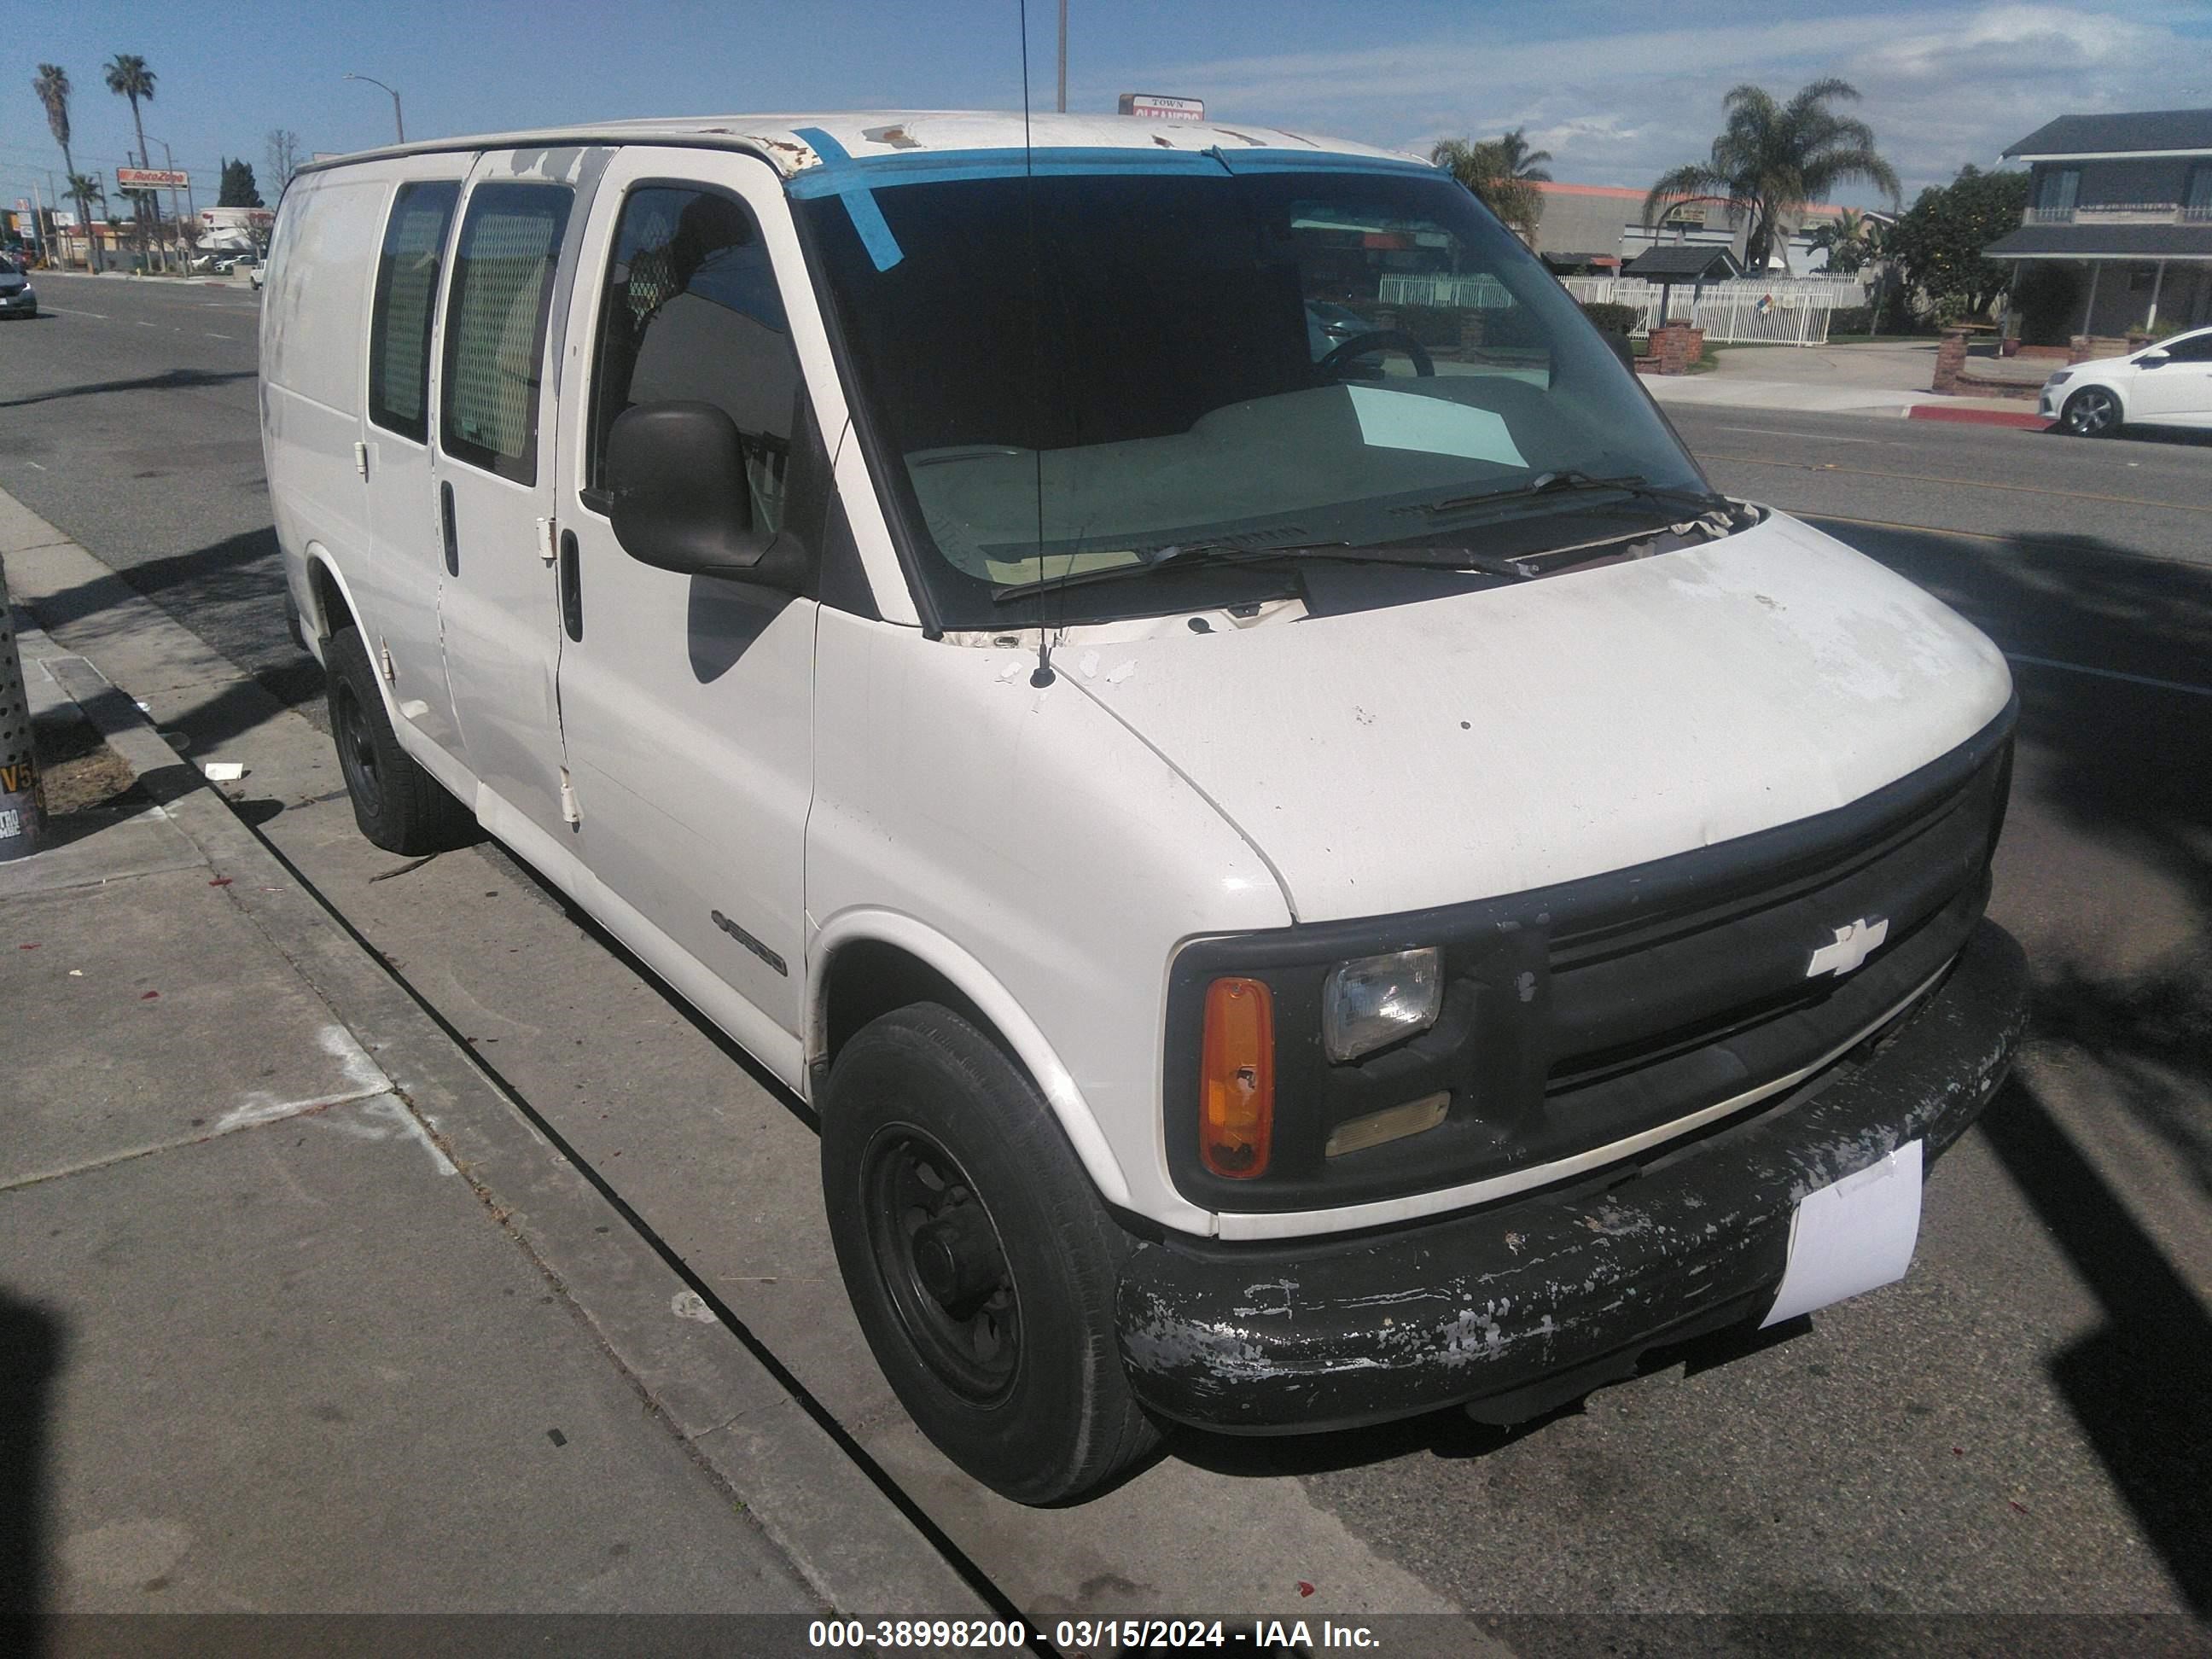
column 1571, row 482
column 1434, row 558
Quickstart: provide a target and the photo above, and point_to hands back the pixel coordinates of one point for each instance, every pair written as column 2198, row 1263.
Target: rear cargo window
column 691, row 313
column 406, row 289
column 495, row 327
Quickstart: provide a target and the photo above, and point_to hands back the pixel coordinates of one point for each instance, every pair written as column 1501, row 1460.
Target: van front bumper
column 1516, row 1308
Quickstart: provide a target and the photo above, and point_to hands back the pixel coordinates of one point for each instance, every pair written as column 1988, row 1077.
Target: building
column 1599, row 226
column 234, row 229
column 2123, row 204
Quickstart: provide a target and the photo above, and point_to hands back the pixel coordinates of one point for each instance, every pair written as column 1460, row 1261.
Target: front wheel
column 2092, row 412
column 980, row 1261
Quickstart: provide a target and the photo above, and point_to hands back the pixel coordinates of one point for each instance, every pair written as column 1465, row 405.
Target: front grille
column 1583, row 1014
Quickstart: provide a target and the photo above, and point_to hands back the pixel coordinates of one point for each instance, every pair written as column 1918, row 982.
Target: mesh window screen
column 406, row 281
column 495, row 325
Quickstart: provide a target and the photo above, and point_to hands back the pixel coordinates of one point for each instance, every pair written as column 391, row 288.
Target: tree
column 238, row 189
column 53, row 87
column 1771, row 159
column 1503, row 174
column 1939, row 240
column 1852, row 240
column 1521, row 161
column 282, row 154
column 129, row 77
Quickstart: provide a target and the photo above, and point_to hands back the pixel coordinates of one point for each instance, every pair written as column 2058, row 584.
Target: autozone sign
column 1162, row 109
column 151, row 178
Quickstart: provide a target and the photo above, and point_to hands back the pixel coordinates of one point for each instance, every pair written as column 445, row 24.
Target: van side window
column 406, row 290
column 495, row 327
column 691, row 313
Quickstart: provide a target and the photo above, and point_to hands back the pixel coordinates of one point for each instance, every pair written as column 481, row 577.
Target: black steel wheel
column 982, row 1266
column 940, row 1257
column 2092, row 412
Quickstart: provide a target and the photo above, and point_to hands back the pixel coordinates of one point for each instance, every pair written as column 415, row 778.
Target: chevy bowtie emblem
column 1853, row 945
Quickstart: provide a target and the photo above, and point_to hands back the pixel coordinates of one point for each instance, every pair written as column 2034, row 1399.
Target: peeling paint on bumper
column 1497, row 1304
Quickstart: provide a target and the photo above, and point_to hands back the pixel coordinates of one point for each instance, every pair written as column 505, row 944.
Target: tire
column 399, row 805
column 2092, row 412
column 980, row 1263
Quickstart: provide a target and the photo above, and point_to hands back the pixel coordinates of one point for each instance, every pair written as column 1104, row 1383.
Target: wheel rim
column 2091, row 412
column 356, row 751
column 938, row 1254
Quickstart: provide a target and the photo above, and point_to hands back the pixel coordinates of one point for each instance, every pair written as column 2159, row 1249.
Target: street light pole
column 168, row 161
column 398, row 126
column 1063, row 105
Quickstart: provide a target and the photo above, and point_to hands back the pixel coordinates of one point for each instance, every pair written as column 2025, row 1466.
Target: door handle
column 446, row 520
column 571, row 596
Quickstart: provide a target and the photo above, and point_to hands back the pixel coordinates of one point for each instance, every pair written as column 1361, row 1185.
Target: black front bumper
column 1533, row 1300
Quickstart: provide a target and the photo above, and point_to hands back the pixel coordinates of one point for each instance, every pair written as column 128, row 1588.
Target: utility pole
column 21, row 819
column 1063, row 105
column 169, row 161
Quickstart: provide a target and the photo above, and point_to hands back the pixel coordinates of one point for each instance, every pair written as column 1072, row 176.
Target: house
column 1597, row 227
column 2123, row 203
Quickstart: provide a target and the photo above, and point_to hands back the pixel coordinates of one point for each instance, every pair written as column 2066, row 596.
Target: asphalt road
column 2020, row 1427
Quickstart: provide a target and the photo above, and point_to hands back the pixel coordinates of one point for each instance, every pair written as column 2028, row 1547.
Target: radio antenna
column 1042, row 675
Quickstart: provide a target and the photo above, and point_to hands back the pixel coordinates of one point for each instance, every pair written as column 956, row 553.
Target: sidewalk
column 299, row 1313
column 1870, row 378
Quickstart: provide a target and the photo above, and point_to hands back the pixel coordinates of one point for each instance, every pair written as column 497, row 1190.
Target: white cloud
column 1941, row 86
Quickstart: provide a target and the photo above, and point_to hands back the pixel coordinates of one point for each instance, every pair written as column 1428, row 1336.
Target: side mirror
column 679, row 500
column 2153, row 359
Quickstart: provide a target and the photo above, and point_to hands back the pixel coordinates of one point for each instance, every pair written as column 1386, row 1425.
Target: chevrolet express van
column 1165, row 681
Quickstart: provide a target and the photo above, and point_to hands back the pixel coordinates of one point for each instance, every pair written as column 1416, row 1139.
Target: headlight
column 1375, row 1001
column 2060, row 378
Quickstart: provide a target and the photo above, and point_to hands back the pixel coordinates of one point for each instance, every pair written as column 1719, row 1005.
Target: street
column 2019, row 1427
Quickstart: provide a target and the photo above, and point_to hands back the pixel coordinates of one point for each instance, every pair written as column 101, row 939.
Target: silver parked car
column 17, row 297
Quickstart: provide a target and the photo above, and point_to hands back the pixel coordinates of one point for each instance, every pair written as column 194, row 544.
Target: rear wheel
column 2092, row 412
column 399, row 805
column 980, row 1263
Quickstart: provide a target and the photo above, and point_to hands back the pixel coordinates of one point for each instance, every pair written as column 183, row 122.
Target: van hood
column 1491, row 741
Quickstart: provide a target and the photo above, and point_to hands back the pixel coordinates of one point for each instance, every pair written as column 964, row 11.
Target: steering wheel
column 1360, row 344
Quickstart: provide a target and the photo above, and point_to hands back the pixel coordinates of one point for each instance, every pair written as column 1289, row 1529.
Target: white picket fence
column 1785, row 311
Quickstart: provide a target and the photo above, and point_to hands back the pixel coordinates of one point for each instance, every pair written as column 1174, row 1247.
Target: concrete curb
column 2026, row 420
column 851, row 1536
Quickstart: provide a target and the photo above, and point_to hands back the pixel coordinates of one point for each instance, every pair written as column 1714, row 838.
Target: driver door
column 687, row 701
column 2178, row 391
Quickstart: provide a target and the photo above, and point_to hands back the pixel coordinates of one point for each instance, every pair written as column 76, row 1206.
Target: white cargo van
column 1166, row 681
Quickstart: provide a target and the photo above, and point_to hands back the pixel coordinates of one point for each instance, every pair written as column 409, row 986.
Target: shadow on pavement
column 2140, row 1384
column 238, row 574
column 31, row 1348
column 174, row 379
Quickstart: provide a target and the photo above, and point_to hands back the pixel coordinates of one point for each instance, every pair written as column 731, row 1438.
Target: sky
column 1617, row 94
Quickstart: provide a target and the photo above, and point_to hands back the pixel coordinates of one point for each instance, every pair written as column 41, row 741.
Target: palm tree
column 1771, row 159
column 129, row 77
column 1488, row 168
column 1849, row 238
column 89, row 193
column 53, row 87
column 1521, row 161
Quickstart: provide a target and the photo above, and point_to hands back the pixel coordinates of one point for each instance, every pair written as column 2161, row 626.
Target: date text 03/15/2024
column 1097, row 1635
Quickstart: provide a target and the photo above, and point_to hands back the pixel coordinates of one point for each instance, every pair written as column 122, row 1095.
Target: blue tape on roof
column 867, row 218
column 840, row 173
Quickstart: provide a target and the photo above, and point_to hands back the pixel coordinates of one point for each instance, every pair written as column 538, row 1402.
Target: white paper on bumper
column 1852, row 1237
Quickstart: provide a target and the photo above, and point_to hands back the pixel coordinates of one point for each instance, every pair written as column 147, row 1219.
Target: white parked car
column 2165, row 384
column 1298, row 896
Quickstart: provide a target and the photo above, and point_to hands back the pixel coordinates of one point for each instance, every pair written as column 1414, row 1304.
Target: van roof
column 788, row 142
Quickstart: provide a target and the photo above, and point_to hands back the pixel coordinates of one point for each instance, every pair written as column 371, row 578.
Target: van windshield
column 1080, row 371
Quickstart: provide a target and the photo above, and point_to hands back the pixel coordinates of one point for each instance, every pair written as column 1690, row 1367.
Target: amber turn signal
column 1236, row 1079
